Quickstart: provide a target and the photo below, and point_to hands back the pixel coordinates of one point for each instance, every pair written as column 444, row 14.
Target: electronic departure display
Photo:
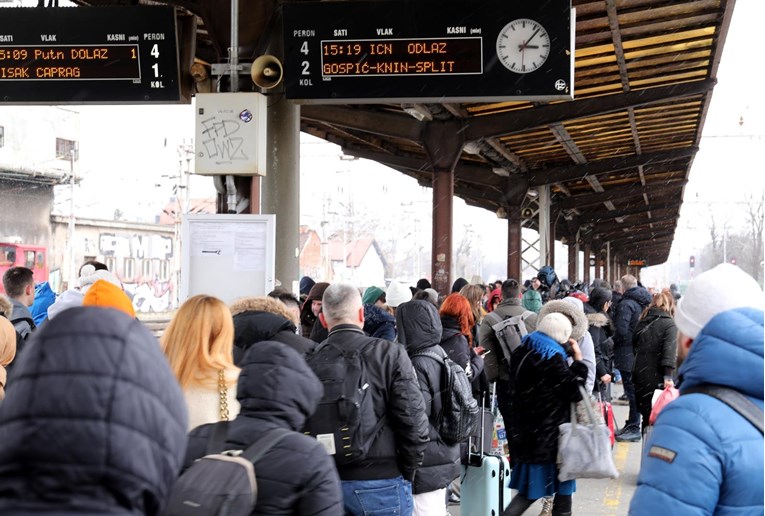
column 379, row 51
column 88, row 55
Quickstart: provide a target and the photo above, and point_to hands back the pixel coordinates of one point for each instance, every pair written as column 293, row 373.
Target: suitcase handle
column 477, row 460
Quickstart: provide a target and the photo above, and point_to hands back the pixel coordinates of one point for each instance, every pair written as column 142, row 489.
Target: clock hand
column 532, row 46
column 532, row 37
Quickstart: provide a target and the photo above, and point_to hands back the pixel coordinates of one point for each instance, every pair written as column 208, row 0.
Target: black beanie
column 599, row 296
column 423, row 283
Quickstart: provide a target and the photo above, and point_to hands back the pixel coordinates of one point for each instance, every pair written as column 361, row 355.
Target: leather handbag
column 584, row 450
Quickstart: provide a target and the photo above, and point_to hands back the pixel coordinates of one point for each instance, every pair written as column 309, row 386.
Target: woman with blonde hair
column 198, row 345
column 655, row 348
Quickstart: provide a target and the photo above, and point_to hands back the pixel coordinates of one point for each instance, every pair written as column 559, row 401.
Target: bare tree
column 755, row 218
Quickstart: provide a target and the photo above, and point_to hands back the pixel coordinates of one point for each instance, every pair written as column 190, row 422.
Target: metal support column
column 545, row 240
column 573, row 258
column 443, row 143
column 280, row 188
column 607, row 270
column 587, row 255
column 514, row 249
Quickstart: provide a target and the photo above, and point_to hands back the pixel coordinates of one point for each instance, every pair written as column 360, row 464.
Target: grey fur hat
column 577, row 317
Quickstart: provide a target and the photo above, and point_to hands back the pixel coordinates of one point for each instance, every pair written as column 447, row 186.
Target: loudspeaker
column 266, row 72
column 527, row 213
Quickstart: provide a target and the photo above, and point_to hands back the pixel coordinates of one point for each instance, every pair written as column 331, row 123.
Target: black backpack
column 345, row 421
column 459, row 409
column 221, row 482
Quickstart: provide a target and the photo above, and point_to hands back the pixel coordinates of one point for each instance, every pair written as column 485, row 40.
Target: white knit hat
column 556, row 326
column 397, row 294
column 715, row 291
column 89, row 275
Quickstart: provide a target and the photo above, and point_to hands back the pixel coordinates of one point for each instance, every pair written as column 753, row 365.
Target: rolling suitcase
column 484, row 482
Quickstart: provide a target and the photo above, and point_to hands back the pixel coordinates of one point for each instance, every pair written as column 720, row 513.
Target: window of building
column 40, row 259
column 128, row 269
column 2, row 135
column 64, row 149
column 164, row 270
column 110, row 262
column 146, row 269
column 29, row 259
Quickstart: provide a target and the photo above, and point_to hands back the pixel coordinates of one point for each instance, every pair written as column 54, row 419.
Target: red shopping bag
column 668, row 395
column 608, row 417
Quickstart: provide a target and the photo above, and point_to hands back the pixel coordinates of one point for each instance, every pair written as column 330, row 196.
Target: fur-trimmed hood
column 598, row 320
column 263, row 304
column 577, row 317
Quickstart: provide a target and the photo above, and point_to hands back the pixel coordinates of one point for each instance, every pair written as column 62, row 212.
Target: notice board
column 227, row 256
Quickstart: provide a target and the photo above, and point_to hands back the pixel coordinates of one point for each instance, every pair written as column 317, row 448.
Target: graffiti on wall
column 145, row 266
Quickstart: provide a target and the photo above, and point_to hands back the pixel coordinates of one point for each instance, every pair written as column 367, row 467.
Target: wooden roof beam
column 467, row 172
column 374, row 122
column 512, row 122
column 541, row 177
column 580, row 201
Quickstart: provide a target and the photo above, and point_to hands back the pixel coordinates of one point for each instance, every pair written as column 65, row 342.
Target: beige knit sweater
column 203, row 402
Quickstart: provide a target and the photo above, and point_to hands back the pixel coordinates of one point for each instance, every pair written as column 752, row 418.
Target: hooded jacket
column 277, row 389
column 93, row 422
column 378, row 323
column 626, row 315
column 573, row 309
column 419, row 330
column 602, row 333
column 252, row 327
column 307, row 318
column 702, row 457
column 44, row 298
column 67, row 299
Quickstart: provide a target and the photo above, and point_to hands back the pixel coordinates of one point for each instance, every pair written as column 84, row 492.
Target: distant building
column 38, row 150
column 359, row 262
column 311, row 259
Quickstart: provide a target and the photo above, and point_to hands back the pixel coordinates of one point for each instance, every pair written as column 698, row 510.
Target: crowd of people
column 98, row 417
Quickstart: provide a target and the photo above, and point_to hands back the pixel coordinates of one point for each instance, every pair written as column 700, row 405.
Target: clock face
column 523, row 45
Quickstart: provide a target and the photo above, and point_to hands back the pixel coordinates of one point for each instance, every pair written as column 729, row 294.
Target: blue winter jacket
column 702, row 457
column 93, row 421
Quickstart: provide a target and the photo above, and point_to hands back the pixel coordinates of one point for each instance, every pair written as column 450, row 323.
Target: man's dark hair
column 284, row 296
column 510, row 289
column 498, row 284
column 16, row 279
column 96, row 265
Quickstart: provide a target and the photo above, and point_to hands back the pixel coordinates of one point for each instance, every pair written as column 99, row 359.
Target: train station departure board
column 87, row 55
column 423, row 51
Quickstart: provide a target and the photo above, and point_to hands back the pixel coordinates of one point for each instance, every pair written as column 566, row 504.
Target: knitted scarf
column 544, row 345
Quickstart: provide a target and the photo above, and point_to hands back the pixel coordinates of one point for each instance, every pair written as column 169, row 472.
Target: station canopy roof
column 617, row 157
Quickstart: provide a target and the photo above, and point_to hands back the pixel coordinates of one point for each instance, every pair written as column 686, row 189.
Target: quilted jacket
column 93, row 422
column 702, row 456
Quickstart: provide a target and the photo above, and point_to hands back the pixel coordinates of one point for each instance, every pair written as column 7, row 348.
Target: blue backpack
column 547, row 276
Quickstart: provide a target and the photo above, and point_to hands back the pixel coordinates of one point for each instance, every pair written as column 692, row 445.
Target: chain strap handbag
column 584, row 450
column 223, row 393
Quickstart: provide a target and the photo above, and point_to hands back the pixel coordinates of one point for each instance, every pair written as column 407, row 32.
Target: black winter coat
column 601, row 331
column 400, row 446
column 93, row 422
column 544, row 391
column 252, row 327
column 419, row 329
column 626, row 315
column 456, row 346
column 277, row 389
column 655, row 349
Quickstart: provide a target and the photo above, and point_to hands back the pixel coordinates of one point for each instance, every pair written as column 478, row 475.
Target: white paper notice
column 249, row 247
column 211, row 239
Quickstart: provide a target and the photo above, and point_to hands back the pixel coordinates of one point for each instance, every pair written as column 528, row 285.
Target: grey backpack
column 221, row 482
